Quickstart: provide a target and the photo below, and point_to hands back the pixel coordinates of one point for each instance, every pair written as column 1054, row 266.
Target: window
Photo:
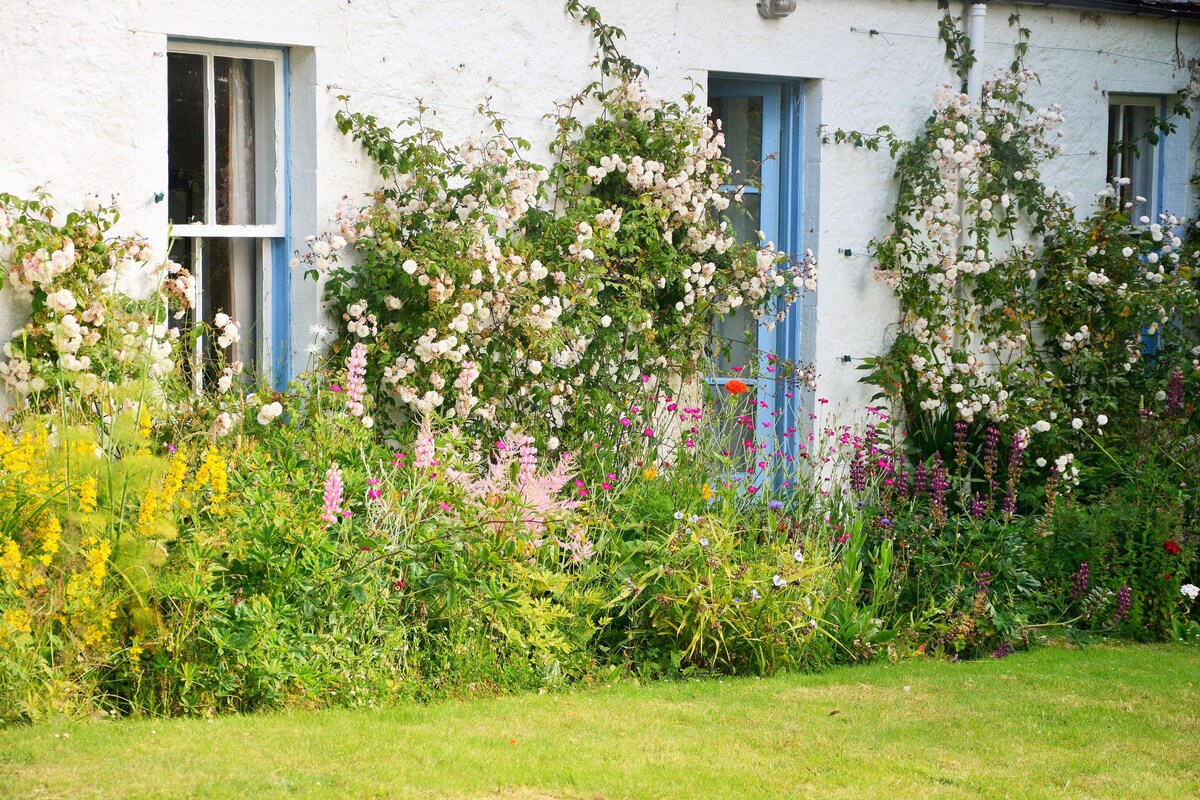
column 762, row 123
column 1132, row 154
column 225, row 160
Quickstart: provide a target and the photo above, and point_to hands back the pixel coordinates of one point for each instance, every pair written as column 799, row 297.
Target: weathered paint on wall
column 83, row 102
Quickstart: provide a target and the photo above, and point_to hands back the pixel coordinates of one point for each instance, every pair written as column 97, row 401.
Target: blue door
column 761, row 123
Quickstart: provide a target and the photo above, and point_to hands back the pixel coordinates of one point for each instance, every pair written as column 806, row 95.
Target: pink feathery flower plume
column 334, row 488
column 356, row 369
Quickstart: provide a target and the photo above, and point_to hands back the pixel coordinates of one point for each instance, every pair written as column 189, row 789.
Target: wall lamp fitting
column 774, row 9
column 847, row 359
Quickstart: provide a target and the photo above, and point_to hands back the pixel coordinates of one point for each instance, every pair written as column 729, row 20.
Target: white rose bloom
column 62, row 301
column 1041, row 426
column 605, row 321
column 1102, row 420
column 221, row 319
column 268, row 413
column 410, row 266
column 1077, row 423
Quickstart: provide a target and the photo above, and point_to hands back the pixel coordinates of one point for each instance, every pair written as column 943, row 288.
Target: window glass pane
column 229, row 284
column 1114, row 138
column 1132, row 156
column 185, row 137
column 244, row 100
column 1140, row 169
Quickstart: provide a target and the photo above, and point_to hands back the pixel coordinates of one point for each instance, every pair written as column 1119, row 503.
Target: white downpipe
column 975, row 27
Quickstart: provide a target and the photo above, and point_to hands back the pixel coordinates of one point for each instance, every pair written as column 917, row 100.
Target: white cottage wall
column 83, row 103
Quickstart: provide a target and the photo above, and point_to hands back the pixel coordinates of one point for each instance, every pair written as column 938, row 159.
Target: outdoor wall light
column 772, row 9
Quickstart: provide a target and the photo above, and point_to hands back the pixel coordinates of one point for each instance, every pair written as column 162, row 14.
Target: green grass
column 1101, row 722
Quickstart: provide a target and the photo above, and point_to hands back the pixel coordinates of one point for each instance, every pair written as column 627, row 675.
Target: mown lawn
column 1100, row 722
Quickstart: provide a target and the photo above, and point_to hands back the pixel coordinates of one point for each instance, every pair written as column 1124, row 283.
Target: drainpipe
column 975, row 25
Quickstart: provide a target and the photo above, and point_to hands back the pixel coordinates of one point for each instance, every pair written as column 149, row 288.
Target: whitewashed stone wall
column 83, row 101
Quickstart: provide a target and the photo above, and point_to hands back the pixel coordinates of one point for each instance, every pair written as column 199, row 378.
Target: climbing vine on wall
column 1014, row 312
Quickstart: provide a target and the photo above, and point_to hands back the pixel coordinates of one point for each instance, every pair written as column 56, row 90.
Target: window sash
column 211, row 228
column 1120, row 154
column 262, row 322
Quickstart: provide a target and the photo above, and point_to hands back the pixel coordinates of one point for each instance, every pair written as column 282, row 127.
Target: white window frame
column 262, row 234
column 1155, row 104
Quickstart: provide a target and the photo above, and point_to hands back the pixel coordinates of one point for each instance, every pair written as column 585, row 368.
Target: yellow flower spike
column 707, row 493
column 651, row 473
column 148, row 513
column 88, row 499
column 213, row 472
column 173, row 483
column 18, row 620
column 50, row 532
column 10, row 561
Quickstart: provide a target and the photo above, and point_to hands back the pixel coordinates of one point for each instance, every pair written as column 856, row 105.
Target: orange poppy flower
column 736, row 387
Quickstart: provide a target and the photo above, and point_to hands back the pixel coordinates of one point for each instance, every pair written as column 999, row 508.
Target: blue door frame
column 780, row 189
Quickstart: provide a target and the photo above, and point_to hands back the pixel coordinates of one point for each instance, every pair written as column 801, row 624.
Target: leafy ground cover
column 1097, row 722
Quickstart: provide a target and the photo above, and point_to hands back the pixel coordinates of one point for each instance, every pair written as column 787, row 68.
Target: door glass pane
column 736, row 416
column 736, row 337
column 745, row 219
column 735, row 342
column 243, row 96
column 185, row 137
column 742, row 121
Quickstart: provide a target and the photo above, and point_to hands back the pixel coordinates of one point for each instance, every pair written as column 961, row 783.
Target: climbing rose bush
column 501, row 293
column 1014, row 311
column 98, row 320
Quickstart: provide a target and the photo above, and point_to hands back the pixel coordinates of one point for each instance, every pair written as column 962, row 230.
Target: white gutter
column 975, row 26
